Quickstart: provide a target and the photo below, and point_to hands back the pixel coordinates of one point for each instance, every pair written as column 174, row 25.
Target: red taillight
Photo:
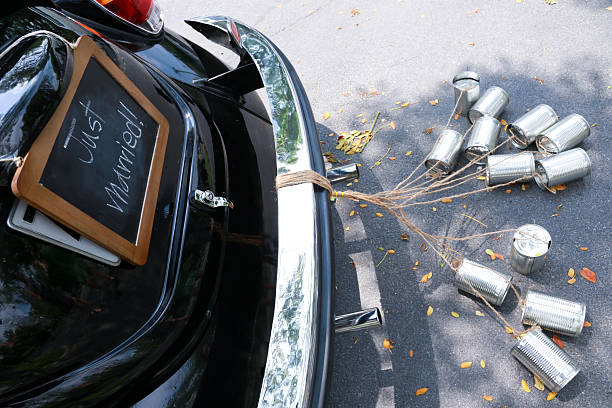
column 134, row 11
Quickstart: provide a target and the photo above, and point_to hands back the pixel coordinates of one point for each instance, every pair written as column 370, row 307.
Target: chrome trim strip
column 293, row 344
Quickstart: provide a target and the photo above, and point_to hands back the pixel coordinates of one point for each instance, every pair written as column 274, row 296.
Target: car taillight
column 143, row 13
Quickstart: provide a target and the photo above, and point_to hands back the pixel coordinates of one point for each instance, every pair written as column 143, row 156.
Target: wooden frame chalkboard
column 44, row 179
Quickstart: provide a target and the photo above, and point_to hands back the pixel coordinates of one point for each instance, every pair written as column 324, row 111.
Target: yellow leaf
column 482, row 364
column 487, row 397
column 466, row 364
column 363, row 120
column 391, row 251
column 551, row 396
column 403, row 105
column 379, row 215
column 509, row 330
column 455, row 314
column 538, row 383
column 388, row 344
column 392, row 125
column 479, row 313
column 447, row 200
column 422, row 391
column 392, row 158
column 434, row 209
column 587, row 323
column 409, row 152
column 425, row 278
column 352, row 213
column 525, row 386
column 571, row 273
column 326, row 115
column 433, row 102
column 360, row 115
column 481, row 178
column 503, row 122
column 347, row 229
column 429, row 275
column 571, row 281
column 429, row 310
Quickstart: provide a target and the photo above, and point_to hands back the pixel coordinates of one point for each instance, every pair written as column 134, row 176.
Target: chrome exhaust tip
column 358, row 320
column 342, row 173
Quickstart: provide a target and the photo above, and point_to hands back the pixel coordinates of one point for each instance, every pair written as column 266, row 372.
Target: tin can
column 483, row 138
column 491, row 103
column 492, row 285
column 445, row 152
column 553, row 313
column 530, row 245
column 564, row 135
column 545, row 359
column 467, row 90
column 504, row 168
column 561, row 168
column 526, row 128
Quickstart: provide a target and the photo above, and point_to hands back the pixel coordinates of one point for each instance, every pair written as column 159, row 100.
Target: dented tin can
column 491, row 103
column 467, row 90
column 530, row 245
column 483, row 138
column 445, row 152
column 545, row 359
column 504, row 168
column 553, row 313
column 564, row 135
column 562, row 168
column 492, row 285
column 526, row 128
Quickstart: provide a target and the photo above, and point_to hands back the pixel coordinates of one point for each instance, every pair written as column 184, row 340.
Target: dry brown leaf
column 429, row 310
column 538, row 383
column 466, row 364
column 392, row 125
column 447, row 200
column 422, row 391
column 587, row 323
column 558, row 341
column 326, row 115
column 551, row 396
column 588, row 274
column 525, row 386
column 488, row 397
column 571, row 273
column 433, row 102
column 429, row 130
column 559, row 187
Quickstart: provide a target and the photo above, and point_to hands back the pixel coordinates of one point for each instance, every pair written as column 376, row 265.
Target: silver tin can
column 561, row 168
column 504, row 168
column 483, row 138
column 545, row 359
column 491, row 284
column 564, row 135
column 467, row 90
column 526, row 128
column 446, row 151
column 553, row 313
column 491, row 103
column 530, row 245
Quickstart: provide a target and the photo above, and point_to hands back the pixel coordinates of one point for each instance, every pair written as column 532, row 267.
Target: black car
column 232, row 304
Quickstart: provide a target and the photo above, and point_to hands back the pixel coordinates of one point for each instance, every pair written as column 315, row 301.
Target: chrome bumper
column 295, row 343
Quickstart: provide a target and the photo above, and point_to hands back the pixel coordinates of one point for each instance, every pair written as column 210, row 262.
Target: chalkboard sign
column 96, row 166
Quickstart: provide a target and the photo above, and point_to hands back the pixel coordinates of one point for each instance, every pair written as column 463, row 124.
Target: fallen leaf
column 354, row 12
column 487, row 397
column 538, row 383
column 471, row 43
column 588, row 274
column 503, row 122
column 475, row 10
column 425, row 278
column 481, row 178
column 584, row 248
column 482, row 363
column 326, row 115
column 456, row 116
column 429, row 130
column 499, row 256
column 363, row 205
column 551, row 396
column 392, row 125
column 434, row 209
column 405, row 237
column 479, row 313
column 525, row 386
column 466, row 364
column 408, row 153
column 571, row 281
column 609, row 8
column 363, row 120
column 429, row 310
column 433, row 102
column 379, row 215
column 523, row 187
column 539, row 80
column 403, row 105
column 455, row 314
column 410, row 353
column 558, row 341
column 447, row 200
column 391, row 251
column 388, row 344
column 559, row 187
column 509, row 330
column 508, row 191
column 586, row 324
column 490, row 253
column 392, row 158
column 352, row 213
column 571, row 273
column 422, row 391
column 347, row 229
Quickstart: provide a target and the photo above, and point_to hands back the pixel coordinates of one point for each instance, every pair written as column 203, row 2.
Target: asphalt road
column 365, row 61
